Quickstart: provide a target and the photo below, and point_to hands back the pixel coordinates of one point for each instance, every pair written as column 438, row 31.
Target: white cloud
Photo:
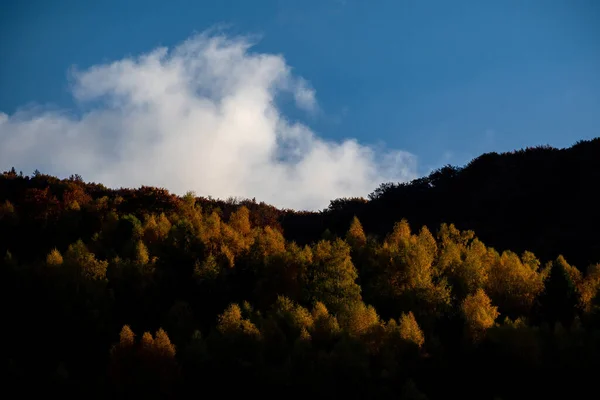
column 202, row 116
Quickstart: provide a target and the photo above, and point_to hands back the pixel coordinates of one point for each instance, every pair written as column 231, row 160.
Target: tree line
column 120, row 293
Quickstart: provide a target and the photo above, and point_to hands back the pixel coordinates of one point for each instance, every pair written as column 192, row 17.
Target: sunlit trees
column 409, row 329
column 358, row 319
column 54, row 258
column 89, row 267
column 356, row 236
column 248, row 304
column 325, row 327
column 514, row 283
column 406, row 279
column 463, row 259
column 148, row 367
column 231, row 324
column 590, row 287
column 479, row 313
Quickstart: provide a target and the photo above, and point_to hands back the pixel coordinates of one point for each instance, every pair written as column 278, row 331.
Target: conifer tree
column 356, row 236
column 410, row 330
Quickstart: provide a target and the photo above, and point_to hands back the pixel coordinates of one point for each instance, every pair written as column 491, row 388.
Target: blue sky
column 443, row 80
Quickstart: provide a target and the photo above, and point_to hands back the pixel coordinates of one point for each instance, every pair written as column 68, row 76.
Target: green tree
column 332, row 276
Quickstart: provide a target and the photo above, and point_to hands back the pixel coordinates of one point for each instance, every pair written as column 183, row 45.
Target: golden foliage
column 73, row 206
column 6, row 209
column 126, row 337
column 410, row 330
column 479, row 313
column 400, row 233
column 141, row 253
column 294, row 315
column 211, row 228
column 589, row 287
column 162, row 344
column 54, row 258
column 514, row 282
column 240, row 221
column 231, row 323
column 356, row 235
column 147, row 343
column 78, row 255
column 358, row 319
column 325, row 326
column 268, row 242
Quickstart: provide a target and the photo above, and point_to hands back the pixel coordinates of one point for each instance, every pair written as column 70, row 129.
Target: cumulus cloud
column 202, row 116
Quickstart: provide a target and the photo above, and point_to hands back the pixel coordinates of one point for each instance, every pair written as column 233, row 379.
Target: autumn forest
column 475, row 282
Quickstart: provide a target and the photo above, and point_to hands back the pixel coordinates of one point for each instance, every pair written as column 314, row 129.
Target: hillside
column 540, row 199
column 479, row 282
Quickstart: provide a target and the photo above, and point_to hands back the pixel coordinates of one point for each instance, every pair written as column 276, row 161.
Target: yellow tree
column 210, row 232
column 54, row 258
column 239, row 220
column 406, row 272
column 358, row 319
column 589, row 287
column 146, row 344
column 78, row 256
column 141, row 253
column 240, row 341
column 356, row 235
column 464, row 260
column 231, row 324
column 122, row 359
column 162, row 345
column 325, row 327
column 514, row 283
column 410, row 330
column 479, row 313
column 126, row 337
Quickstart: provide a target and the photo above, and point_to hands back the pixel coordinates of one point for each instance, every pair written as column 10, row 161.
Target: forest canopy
column 476, row 282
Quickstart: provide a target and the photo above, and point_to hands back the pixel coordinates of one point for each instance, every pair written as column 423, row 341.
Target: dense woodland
column 480, row 282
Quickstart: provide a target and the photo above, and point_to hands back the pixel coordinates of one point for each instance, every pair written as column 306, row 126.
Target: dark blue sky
column 445, row 80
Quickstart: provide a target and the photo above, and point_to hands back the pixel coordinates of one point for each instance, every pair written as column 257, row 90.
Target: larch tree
column 356, row 235
column 589, row 287
column 358, row 319
column 513, row 283
column 54, row 258
column 325, row 327
column 126, row 337
column 141, row 254
column 479, row 313
column 162, row 345
column 410, row 330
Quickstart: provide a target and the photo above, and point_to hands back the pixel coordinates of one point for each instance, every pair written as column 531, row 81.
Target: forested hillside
column 480, row 282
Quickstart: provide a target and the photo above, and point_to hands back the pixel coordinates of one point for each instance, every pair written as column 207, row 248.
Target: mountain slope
column 540, row 199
